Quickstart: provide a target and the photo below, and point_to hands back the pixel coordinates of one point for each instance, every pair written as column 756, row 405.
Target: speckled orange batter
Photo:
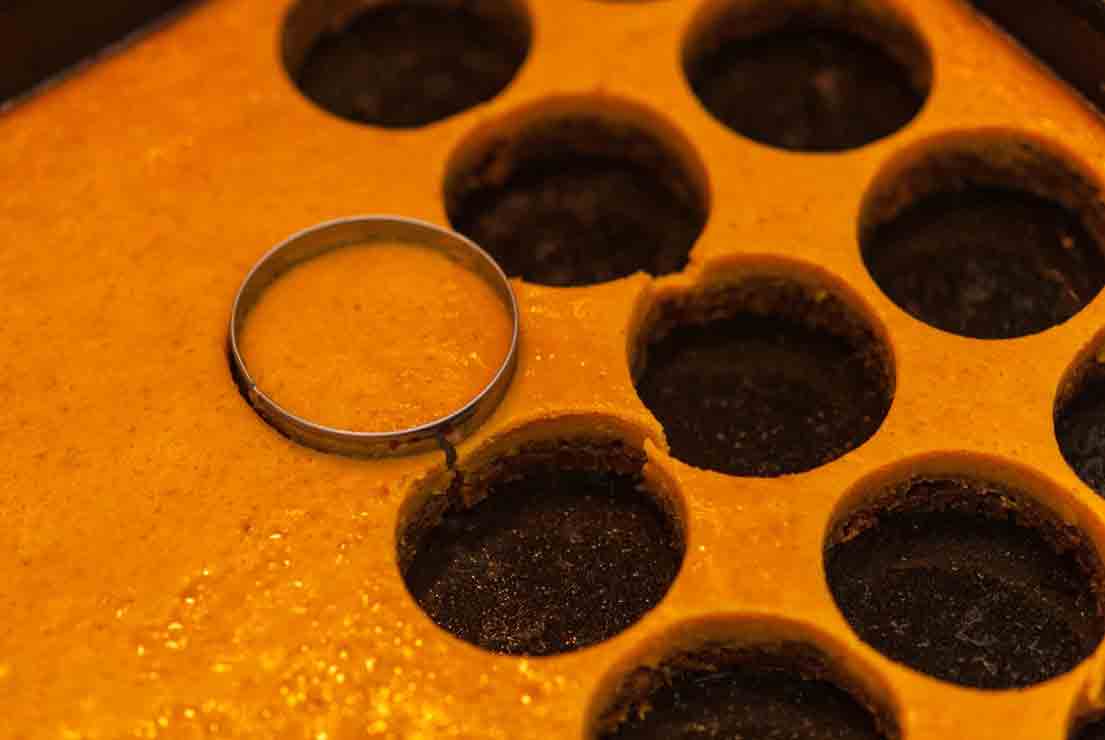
column 171, row 567
column 376, row 337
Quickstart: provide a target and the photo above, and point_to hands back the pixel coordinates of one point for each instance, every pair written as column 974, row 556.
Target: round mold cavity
column 557, row 545
column 1092, row 728
column 1080, row 416
column 968, row 580
column 725, row 689
column 404, row 63
column 987, row 235
column 579, row 191
column 807, row 75
column 763, row 375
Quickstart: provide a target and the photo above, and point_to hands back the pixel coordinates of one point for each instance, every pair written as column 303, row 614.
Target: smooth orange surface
column 376, row 338
column 172, row 567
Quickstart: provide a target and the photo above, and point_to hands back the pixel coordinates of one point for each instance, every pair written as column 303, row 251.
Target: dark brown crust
column 468, row 487
column 368, row 63
column 549, row 549
column 1078, row 420
column 578, row 198
column 794, row 657
column 996, row 161
column 977, row 498
column 809, row 76
column 575, row 454
column 1089, row 727
column 575, row 134
column 869, row 21
column 769, row 296
column 760, row 375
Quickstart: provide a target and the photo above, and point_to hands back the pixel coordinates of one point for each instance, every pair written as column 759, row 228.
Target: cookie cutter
column 444, row 432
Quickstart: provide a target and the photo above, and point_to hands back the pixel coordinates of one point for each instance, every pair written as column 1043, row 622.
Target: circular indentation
column 784, row 690
column 575, row 198
column 763, row 377
column 1089, row 730
column 808, row 76
column 404, row 63
column 1080, row 417
column 557, row 546
column 391, row 363
column 988, row 237
column 969, row 581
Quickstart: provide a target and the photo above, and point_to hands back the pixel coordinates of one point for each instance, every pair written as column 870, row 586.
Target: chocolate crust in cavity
column 1080, row 423
column 828, row 90
column 763, row 377
column 835, row 76
column 547, row 550
column 968, row 581
column 785, row 690
column 1090, row 728
column 986, row 238
column 987, row 263
column 402, row 65
column 579, row 199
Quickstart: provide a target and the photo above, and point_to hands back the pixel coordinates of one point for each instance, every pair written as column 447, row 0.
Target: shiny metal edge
column 328, row 236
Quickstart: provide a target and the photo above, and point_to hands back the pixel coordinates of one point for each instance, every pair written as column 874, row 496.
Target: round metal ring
column 331, row 235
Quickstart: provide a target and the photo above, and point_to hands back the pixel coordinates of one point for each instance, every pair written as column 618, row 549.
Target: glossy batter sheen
column 173, row 568
column 376, row 338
